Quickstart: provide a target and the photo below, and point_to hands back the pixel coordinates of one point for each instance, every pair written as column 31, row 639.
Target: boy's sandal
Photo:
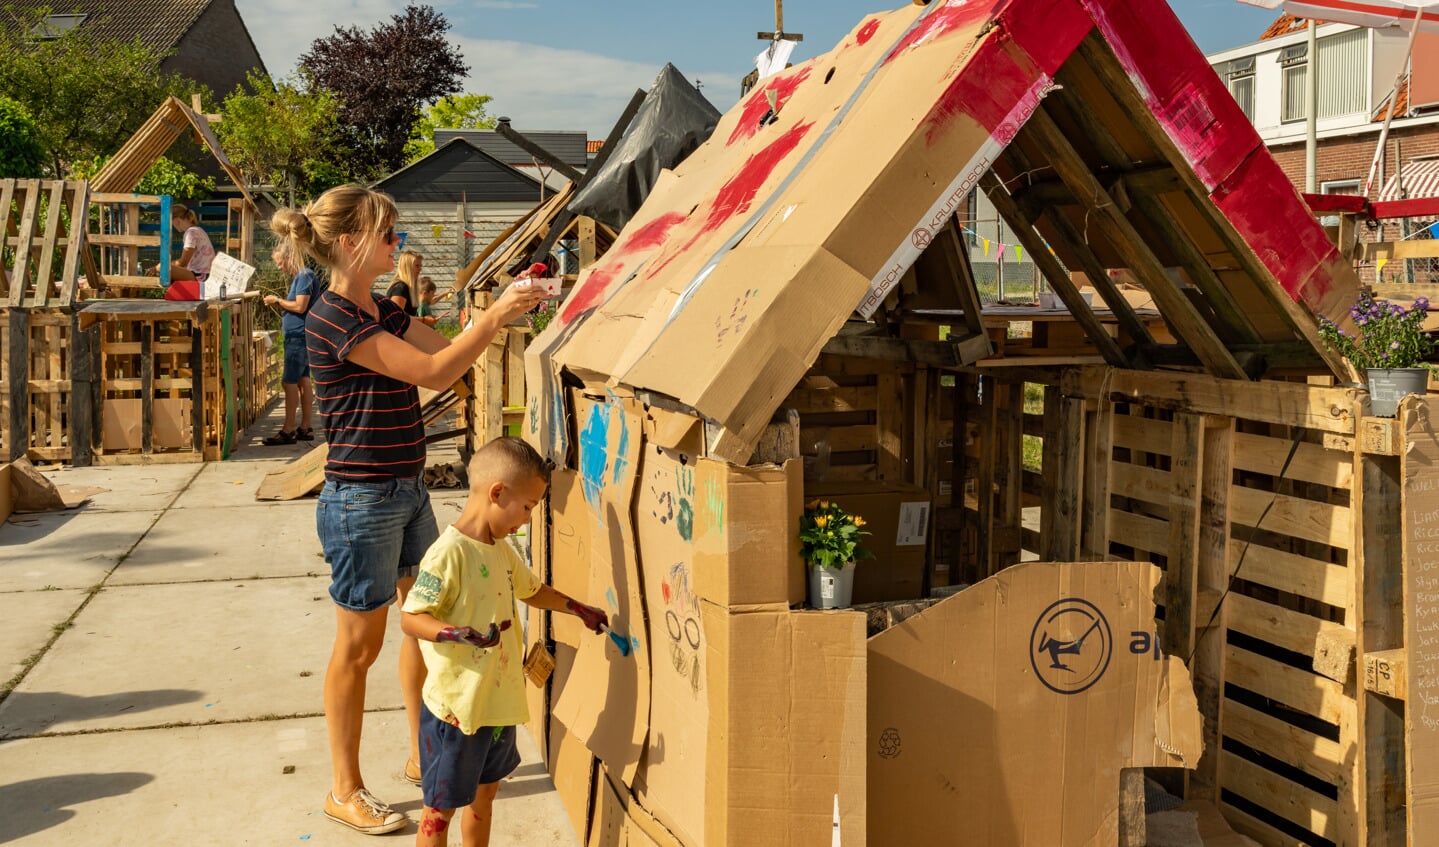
column 304, row 433
column 279, row 438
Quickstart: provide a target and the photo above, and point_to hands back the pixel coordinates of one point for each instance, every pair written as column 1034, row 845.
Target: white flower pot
column 831, row 588
column 1387, row 386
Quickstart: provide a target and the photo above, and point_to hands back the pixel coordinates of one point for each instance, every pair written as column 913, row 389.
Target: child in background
column 462, row 608
column 425, row 309
column 195, row 258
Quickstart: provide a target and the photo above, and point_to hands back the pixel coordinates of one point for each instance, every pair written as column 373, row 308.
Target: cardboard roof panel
column 818, row 192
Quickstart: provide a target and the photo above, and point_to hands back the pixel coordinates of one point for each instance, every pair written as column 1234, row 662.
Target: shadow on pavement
column 38, row 711
column 35, row 805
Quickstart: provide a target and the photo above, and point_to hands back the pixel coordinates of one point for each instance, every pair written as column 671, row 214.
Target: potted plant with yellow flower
column 829, row 542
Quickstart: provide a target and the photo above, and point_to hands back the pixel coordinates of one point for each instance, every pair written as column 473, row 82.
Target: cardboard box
column 767, row 745
column 7, row 494
column 569, row 763
column 897, row 518
column 1016, row 733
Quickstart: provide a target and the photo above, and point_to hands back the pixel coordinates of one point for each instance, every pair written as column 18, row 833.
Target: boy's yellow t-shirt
column 464, row 582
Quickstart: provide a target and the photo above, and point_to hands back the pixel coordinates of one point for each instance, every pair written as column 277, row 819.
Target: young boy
column 462, row 609
column 425, row 309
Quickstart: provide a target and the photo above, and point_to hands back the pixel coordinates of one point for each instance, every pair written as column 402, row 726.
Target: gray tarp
column 673, row 120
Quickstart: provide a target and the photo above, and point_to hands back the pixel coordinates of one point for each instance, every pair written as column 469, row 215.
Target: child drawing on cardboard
column 462, row 608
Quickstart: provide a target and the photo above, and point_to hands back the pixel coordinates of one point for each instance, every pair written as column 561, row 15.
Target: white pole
column 1311, row 111
column 1393, row 101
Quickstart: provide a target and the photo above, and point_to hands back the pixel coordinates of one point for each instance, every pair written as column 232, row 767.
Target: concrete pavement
column 168, row 644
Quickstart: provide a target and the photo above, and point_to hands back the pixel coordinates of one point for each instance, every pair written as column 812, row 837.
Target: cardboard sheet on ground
column 27, row 490
column 818, row 191
column 1018, row 734
column 606, row 700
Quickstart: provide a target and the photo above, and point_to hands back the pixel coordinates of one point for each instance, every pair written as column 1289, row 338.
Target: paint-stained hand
column 592, row 618
column 467, row 635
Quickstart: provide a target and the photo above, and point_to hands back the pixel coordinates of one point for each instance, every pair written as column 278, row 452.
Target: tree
column 458, row 111
column 21, row 155
column 166, row 176
column 86, row 95
column 282, row 134
column 383, row 78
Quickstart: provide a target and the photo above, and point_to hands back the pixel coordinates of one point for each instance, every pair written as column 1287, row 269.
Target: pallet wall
column 47, row 387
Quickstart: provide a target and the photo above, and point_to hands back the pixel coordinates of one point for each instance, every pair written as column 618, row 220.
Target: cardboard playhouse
column 1201, row 571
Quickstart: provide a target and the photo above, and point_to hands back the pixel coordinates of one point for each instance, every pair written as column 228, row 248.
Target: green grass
column 1033, row 449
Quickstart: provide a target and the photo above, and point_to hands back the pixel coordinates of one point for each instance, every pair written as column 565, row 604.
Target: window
column 1343, row 73
column 55, row 26
column 1340, row 186
column 1238, row 75
column 1294, row 66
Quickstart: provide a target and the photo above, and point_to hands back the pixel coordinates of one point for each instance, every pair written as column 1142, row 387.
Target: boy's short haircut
column 509, row 460
column 427, row 285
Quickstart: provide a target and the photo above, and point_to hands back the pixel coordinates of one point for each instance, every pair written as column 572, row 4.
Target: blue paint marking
column 594, row 455
column 611, row 599
column 620, row 461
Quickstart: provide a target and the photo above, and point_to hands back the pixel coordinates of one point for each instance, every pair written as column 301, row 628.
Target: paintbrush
column 620, row 642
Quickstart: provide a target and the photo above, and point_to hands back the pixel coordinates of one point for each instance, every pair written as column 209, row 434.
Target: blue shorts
column 373, row 534
column 297, row 358
column 454, row 765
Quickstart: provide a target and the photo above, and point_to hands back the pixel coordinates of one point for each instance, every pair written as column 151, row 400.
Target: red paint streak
column 433, row 825
column 941, row 22
column 665, row 589
column 988, row 89
column 598, row 284
column 735, row 196
column 757, row 104
column 588, row 295
column 652, row 234
column 867, row 31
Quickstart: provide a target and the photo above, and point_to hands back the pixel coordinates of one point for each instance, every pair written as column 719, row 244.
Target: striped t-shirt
column 372, row 422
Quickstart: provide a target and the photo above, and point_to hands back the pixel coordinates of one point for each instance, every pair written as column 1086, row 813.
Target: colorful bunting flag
column 1380, row 269
column 437, row 229
column 986, row 248
column 1018, row 253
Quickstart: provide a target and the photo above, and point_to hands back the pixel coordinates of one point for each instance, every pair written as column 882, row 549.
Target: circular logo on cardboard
column 889, row 743
column 1070, row 646
column 921, row 238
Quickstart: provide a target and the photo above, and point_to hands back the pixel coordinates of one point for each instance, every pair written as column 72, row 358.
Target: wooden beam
column 519, row 140
column 1140, row 191
column 1098, row 459
column 1287, row 404
column 1373, row 251
column 941, row 354
column 1256, row 359
column 1063, row 462
column 1100, row 59
column 1053, row 272
column 1181, row 314
column 1181, row 575
column 965, row 287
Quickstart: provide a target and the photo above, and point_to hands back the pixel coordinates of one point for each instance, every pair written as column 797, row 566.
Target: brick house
column 207, row 39
column 1357, row 68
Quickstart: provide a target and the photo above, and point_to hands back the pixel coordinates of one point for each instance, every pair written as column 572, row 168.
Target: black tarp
column 673, row 120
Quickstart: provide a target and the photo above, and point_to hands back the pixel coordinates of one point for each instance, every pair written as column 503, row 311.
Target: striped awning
column 1419, row 179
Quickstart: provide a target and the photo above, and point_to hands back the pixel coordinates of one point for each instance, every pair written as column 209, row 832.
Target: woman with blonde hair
column 373, row 516
column 407, row 279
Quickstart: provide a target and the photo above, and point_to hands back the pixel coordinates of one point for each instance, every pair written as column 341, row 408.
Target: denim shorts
column 297, row 358
column 373, row 534
column 453, row 765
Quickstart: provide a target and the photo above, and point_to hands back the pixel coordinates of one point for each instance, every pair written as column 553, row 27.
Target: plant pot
column 831, row 588
column 1387, row 386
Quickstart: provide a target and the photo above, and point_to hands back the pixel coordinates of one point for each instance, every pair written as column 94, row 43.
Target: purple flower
column 1384, row 355
column 1421, row 303
column 1394, row 346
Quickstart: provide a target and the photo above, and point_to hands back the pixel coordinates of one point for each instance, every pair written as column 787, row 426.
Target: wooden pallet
column 44, row 249
column 47, row 389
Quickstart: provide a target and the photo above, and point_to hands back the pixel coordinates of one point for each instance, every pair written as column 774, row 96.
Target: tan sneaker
column 363, row 813
column 411, row 772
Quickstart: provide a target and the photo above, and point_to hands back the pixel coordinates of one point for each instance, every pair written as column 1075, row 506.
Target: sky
column 571, row 65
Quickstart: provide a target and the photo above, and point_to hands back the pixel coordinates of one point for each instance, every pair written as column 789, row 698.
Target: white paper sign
column 913, row 524
column 774, row 57
column 229, row 277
